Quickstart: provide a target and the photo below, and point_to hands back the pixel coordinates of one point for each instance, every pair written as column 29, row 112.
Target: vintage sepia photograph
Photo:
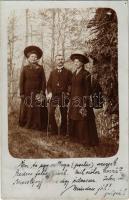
column 63, row 97
column 64, row 86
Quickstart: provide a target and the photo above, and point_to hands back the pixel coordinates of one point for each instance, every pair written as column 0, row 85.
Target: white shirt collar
column 78, row 70
column 59, row 68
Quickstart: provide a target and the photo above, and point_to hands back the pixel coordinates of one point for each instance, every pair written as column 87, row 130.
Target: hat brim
column 33, row 49
column 81, row 57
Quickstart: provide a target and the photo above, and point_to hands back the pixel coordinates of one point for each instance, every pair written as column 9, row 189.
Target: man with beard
column 58, row 89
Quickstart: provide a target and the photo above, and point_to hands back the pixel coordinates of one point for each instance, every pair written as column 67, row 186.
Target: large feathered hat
column 82, row 56
column 33, row 49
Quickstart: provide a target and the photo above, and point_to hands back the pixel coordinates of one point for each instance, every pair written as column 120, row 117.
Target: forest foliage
column 63, row 31
column 105, row 54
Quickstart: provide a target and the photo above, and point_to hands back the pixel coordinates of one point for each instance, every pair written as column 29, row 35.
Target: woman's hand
column 38, row 97
column 83, row 111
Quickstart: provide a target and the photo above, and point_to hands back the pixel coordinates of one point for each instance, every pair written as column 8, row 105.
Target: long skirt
column 84, row 131
column 33, row 117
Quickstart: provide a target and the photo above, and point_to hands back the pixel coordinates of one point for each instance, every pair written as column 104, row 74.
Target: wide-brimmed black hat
column 33, row 49
column 80, row 55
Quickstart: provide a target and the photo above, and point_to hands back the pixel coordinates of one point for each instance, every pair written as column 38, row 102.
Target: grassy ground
column 25, row 143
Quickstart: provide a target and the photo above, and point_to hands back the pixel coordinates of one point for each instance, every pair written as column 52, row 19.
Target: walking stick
column 48, row 107
column 58, row 130
column 58, row 118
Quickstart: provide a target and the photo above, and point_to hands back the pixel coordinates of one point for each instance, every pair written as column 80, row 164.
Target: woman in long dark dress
column 33, row 110
column 81, row 114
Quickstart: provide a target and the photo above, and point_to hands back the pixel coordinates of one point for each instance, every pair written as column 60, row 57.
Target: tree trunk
column 11, row 64
column 53, row 36
column 27, row 29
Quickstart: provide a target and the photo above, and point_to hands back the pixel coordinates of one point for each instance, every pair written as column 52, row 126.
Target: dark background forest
column 63, row 31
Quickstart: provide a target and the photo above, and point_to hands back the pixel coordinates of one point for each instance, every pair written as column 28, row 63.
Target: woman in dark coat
column 33, row 110
column 81, row 114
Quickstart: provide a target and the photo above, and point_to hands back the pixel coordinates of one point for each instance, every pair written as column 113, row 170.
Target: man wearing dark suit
column 58, row 89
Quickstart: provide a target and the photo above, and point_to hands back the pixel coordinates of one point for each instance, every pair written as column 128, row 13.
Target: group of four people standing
column 71, row 92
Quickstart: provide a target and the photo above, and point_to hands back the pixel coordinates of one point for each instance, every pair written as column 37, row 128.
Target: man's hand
column 49, row 96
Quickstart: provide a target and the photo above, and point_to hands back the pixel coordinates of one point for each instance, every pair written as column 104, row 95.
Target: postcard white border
column 8, row 162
